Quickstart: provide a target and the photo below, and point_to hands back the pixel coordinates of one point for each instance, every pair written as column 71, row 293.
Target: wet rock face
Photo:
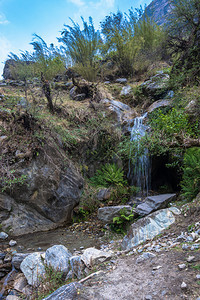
column 46, row 201
column 107, row 213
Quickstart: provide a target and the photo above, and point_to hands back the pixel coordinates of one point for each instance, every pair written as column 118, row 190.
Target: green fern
column 109, row 175
column 191, row 177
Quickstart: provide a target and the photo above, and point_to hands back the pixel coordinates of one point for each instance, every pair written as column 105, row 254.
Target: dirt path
column 158, row 278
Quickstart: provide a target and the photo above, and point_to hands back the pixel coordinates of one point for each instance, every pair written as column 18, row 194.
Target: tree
column 127, row 36
column 82, row 46
column 184, row 37
column 45, row 62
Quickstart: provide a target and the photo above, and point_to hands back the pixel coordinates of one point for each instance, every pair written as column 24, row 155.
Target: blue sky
column 20, row 19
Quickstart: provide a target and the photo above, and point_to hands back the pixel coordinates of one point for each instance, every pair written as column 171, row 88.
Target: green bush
column 191, row 173
column 121, row 222
column 109, row 175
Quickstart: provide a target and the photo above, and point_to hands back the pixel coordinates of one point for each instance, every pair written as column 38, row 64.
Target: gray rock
column 156, row 86
column 189, row 239
column 183, row 285
column 20, row 283
column 77, row 266
column 185, row 247
column 148, row 297
column 125, row 90
column 12, row 297
column 145, row 256
column 33, row 268
column 3, row 138
column 3, row 235
column 80, row 97
column 46, row 202
column 158, row 104
column 121, row 80
column 58, row 258
column 198, row 276
column 104, row 194
column 107, row 213
column 182, row 266
column 153, row 203
column 92, row 256
column 17, row 259
column 66, row 292
column 190, row 259
column 148, row 227
column 72, row 92
column 12, row 243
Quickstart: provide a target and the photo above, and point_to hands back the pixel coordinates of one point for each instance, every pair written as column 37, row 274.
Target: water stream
column 139, row 164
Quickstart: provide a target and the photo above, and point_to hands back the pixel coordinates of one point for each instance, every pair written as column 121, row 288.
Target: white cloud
column 77, row 2
column 3, row 20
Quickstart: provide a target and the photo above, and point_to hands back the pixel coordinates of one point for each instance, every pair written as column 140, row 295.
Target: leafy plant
column 120, row 223
column 109, row 175
column 82, row 46
column 191, row 173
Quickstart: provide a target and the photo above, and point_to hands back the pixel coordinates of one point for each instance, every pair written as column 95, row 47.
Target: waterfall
column 139, row 163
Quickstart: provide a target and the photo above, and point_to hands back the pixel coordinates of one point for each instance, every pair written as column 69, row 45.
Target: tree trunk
column 47, row 91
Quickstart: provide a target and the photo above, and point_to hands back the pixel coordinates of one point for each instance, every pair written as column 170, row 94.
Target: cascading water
column 139, row 163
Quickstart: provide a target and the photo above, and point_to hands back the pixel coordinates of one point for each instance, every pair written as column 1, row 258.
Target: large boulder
column 156, row 86
column 148, row 227
column 33, row 268
column 107, row 213
column 152, row 203
column 7, row 69
column 46, row 201
column 58, row 258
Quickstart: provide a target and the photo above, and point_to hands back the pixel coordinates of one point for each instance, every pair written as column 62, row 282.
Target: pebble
column 148, row 297
column 190, row 258
column 198, row 276
column 183, row 285
column 3, row 235
column 12, row 243
column 182, row 266
column 185, row 247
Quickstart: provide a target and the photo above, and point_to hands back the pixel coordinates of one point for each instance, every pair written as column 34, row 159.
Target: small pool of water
column 62, row 236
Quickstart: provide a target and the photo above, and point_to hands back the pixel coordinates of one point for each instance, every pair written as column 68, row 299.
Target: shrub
column 121, row 222
column 191, row 173
column 109, row 175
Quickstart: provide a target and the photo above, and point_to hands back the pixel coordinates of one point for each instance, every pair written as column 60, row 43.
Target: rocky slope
column 159, row 11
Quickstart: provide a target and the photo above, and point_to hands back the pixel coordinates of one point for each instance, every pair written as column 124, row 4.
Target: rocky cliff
column 159, row 10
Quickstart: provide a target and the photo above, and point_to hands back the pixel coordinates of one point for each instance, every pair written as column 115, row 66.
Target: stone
column 3, row 138
column 198, row 276
column 58, row 257
column 12, row 243
column 72, row 92
column 145, row 256
column 148, row 297
column 190, row 259
column 12, row 297
column 158, row 104
column 182, row 266
column 156, row 86
column 18, row 258
column 121, row 80
column 103, row 194
column 153, row 203
column 77, row 266
column 20, row 283
column 33, row 268
column 183, row 285
column 66, row 292
column 3, row 235
column 148, row 227
column 185, row 247
column 2, row 255
column 92, row 256
column 80, row 97
column 125, row 90
column 46, row 202
column 107, row 213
